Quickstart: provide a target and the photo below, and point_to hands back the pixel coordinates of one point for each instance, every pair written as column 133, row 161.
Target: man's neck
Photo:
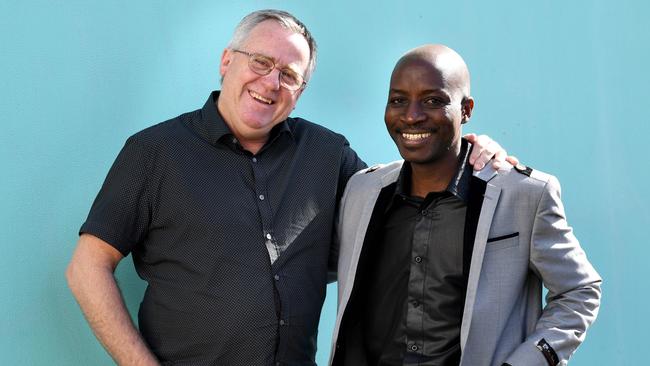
column 434, row 176
column 253, row 145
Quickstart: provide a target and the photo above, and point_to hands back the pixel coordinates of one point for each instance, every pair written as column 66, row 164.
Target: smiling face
column 252, row 104
column 427, row 103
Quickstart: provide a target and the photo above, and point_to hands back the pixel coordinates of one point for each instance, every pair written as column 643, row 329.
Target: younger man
column 440, row 266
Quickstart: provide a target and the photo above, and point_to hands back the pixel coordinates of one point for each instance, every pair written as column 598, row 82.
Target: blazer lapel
column 490, row 200
column 358, row 239
column 368, row 207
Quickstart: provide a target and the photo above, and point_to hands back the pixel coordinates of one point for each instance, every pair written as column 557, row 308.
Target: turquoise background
column 560, row 84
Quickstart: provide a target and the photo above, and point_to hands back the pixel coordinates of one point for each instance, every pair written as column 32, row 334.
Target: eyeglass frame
column 275, row 66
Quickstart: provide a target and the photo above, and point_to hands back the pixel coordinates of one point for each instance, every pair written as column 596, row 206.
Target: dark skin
column 428, row 102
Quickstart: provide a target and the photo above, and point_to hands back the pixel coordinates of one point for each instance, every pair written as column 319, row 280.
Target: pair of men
column 228, row 212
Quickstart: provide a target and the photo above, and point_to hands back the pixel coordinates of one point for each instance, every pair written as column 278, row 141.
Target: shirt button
column 418, row 259
column 268, row 236
column 414, row 348
column 282, row 322
column 254, row 160
column 415, row 303
column 262, row 197
column 277, row 277
column 425, row 212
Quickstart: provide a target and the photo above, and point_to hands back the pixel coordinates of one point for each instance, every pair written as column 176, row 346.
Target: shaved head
column 451, row 66
column 428, row 101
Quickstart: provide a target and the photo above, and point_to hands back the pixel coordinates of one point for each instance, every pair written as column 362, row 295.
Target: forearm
column 574, row 286
column 562, row 326
column 95, row 289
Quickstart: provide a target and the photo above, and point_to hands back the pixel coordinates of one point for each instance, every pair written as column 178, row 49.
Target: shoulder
column 366, row 184
column 379, row 174
column 161, row 133
column 526, row 178
column 515, row 174
column 302, row 128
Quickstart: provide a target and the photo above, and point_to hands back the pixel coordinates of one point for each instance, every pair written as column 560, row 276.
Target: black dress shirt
column 417, row 273
column 234, row 246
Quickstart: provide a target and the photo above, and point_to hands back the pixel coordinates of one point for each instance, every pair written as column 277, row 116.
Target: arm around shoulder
column 573, row 285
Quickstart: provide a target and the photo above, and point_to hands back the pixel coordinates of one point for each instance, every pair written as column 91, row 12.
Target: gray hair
column 288, row 21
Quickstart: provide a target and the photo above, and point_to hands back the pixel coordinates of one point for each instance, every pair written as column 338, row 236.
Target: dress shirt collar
column 213, row 127
column 459, row 184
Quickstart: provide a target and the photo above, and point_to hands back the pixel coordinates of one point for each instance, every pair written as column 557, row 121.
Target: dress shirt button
column 277, row 277
column 418, row 259
column 282, row 322
column 268, row 236
column 415, row 303
column 254, row 159
column 425, row 212
column 414, row 348
column 262, row 197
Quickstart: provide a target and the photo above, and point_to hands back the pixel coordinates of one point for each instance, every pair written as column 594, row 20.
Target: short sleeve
column 121, row 212
column 350, row 164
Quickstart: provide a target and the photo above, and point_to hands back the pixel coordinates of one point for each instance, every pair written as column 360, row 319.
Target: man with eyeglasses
column 228, row 212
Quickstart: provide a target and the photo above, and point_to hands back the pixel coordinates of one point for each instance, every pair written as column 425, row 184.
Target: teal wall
column 561, row 84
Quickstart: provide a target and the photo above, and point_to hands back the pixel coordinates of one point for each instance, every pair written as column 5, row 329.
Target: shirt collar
column 212, row 126
column 459, row 184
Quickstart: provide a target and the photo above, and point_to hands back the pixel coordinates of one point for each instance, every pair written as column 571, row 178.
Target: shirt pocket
column 503, row 241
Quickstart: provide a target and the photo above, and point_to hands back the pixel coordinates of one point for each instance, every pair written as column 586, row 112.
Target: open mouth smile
column 260, row 98
column 415, row 136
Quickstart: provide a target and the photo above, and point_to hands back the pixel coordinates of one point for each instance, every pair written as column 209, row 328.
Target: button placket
column 418, row 266
column 264, row 207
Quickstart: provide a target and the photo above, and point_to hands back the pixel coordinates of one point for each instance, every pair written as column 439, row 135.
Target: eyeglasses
column 263, row 65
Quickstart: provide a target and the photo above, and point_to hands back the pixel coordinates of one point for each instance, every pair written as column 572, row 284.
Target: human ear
column 226, row 57
column 467, row 105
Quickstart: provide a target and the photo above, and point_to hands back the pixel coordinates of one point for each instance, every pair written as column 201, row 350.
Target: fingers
column 471, row 137
column 513, row 160
column 479, row 143
column 485, row 149
column 499, row 158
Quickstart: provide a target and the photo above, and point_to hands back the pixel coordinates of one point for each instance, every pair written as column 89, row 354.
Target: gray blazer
column 503, row 319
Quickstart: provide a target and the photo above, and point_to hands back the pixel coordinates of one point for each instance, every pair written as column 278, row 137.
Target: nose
column 272, row 80
column 413, row 114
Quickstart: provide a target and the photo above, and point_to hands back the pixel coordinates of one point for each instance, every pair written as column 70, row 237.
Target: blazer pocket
column 503, row 241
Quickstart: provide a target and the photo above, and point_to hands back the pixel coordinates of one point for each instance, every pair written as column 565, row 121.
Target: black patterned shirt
column 234, row 246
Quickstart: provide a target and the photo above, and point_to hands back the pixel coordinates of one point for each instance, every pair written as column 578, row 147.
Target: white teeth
column 416, row 136
column 260, row 98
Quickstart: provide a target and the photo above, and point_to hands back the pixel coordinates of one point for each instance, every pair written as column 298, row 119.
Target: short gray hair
column 288, row 21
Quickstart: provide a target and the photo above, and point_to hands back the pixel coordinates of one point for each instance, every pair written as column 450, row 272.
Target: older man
column 228, row 212
column 442, row 267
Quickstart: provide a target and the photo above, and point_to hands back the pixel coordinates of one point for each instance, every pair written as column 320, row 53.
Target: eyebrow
column 426, row 91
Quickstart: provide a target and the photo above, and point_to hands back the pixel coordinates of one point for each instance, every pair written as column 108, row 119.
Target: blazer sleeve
column 573, row 286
